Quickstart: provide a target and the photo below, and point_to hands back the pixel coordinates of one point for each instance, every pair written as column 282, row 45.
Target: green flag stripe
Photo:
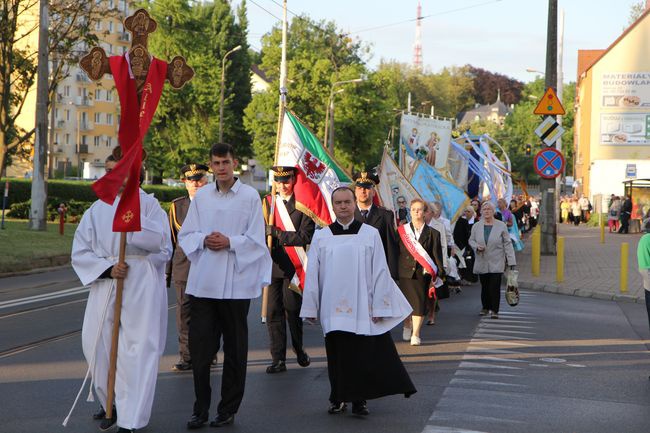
column 312, row 144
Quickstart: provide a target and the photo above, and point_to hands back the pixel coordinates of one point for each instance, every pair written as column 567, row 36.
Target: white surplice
column 348, row 283
column 143, row 326
column 241, row 271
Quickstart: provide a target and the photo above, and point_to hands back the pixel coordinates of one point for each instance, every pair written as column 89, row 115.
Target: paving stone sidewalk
column 591, row 269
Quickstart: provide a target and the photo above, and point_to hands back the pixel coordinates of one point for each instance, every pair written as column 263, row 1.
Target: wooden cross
column 96, row 64
column 140, row 25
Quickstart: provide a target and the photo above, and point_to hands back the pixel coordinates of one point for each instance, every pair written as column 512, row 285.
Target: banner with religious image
column 432, row 186
column 394, row 189
column 426, row 138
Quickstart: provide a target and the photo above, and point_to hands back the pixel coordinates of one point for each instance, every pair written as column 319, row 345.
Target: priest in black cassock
column 349, row 288
column 380, row 218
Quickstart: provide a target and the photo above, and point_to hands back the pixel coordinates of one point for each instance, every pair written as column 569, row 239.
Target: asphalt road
column 552, row 364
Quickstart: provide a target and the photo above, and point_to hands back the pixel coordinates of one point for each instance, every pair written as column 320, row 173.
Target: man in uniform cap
column 291, row 232
column 380, row 218
column 194, row 176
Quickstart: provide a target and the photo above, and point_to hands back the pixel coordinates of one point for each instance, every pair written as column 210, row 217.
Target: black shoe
column 182, row 366
column 276, row 367
column 100, row 414
column 107, row 423
column 197, row 421
column 126, row 430
column 360, row 408
column 336, row 407
column 303, row 359
column 223, row 420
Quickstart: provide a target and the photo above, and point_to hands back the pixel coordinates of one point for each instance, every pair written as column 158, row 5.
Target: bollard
column 560, row 259
column 536, row 251
column 624, row 262
column 602, row 233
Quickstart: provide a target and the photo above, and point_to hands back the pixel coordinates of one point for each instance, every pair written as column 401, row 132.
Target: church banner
column 426, row 138
column 394, row 189
column 432, row 186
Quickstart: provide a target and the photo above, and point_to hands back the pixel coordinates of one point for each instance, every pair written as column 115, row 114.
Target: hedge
column 66, row 190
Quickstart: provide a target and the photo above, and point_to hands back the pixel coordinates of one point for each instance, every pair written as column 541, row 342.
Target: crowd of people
column 360, row 277
column 575, row 210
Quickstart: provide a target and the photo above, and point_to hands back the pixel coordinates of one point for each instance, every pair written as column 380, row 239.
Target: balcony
column 84, row 101
column 83, row 148
column 85, row 126
column 59, row 124
column 57, row 149
column 124, row 37
column 59, row 98
column 82, row 78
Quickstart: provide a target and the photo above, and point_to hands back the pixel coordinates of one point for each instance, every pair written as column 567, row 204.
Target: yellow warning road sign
column 550, row 104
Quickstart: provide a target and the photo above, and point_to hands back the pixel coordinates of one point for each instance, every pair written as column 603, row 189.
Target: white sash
column 288, row 226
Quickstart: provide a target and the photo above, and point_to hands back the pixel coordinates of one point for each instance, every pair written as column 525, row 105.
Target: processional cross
column 96, row 63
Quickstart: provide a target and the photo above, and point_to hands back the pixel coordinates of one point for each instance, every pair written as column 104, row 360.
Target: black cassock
column 363, row 367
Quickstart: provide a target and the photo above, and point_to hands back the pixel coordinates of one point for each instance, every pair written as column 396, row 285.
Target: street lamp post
column 223, row 82
column 328, row 139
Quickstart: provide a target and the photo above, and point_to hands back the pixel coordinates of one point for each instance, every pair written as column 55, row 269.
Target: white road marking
column 44, row 297
column 468, row 364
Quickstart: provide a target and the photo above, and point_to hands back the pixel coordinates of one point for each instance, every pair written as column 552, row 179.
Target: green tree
column 187, row 122
column 317, row 56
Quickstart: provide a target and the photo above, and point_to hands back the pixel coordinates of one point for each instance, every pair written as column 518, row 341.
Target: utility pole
column 547, row 186
column 560, row 88
column 38, row 211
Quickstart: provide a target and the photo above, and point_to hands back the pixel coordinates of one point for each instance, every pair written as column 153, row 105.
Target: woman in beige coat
column 491, row 242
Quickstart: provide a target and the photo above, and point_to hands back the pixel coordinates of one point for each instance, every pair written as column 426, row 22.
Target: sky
column 504, row 36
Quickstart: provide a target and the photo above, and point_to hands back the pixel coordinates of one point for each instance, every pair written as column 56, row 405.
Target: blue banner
column 432, row 186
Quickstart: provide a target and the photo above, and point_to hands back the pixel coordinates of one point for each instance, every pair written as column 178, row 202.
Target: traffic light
column 529, row 149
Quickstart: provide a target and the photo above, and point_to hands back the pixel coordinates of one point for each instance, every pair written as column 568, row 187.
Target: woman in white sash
column 420, row 259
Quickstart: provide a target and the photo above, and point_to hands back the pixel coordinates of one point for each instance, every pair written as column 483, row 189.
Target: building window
column 83, row 139
column 109, row 95
column 109, row 118
column 109, row 141
column 98, row 118
column 56, row 114
column 66, row 91
column 98, row 95
column 98, row 25
column 67, row 138
column 67, row 115
column 110, row 26
column 96, row 140
column 56, row 138
column 124, row 50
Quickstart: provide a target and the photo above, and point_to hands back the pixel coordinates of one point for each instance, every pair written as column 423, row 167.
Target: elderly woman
column 413, row 280
column 493, row 247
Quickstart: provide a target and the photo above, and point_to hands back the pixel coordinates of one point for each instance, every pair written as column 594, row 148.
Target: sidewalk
column 591, row 269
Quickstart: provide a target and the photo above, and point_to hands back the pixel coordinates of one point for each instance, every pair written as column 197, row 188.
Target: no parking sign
column 549, row 163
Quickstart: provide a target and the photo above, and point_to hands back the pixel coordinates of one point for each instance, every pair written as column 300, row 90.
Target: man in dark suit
column 194, row 176
column 291, row 231
column 380, row 218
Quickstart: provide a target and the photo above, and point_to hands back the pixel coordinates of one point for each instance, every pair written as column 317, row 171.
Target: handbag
column 512, row 288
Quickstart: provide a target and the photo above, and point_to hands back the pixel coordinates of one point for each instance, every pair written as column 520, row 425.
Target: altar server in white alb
column 223, row 237
column 143, row 325
column 349, row 288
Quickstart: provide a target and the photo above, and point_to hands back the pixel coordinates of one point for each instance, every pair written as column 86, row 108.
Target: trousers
column 283, row 307
column 210, row 319
column 491, row 291
column 182, row 320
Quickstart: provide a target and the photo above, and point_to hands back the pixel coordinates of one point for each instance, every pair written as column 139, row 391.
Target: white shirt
column 348, row 283
column 238, row 272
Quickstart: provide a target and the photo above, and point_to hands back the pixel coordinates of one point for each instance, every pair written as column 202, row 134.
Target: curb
column 37, row 266
column 583, row 293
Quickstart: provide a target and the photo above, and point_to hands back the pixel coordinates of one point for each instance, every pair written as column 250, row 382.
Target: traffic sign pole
column 548, row 190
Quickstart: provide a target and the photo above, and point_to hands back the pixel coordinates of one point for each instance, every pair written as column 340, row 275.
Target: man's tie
column 364, row 214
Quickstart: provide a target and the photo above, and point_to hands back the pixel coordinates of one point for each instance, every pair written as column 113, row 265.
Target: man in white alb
column 143, row 323
column 349, row 288
column 223, row 237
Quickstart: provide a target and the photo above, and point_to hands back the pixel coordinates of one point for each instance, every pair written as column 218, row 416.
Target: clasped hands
column 216, row 241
